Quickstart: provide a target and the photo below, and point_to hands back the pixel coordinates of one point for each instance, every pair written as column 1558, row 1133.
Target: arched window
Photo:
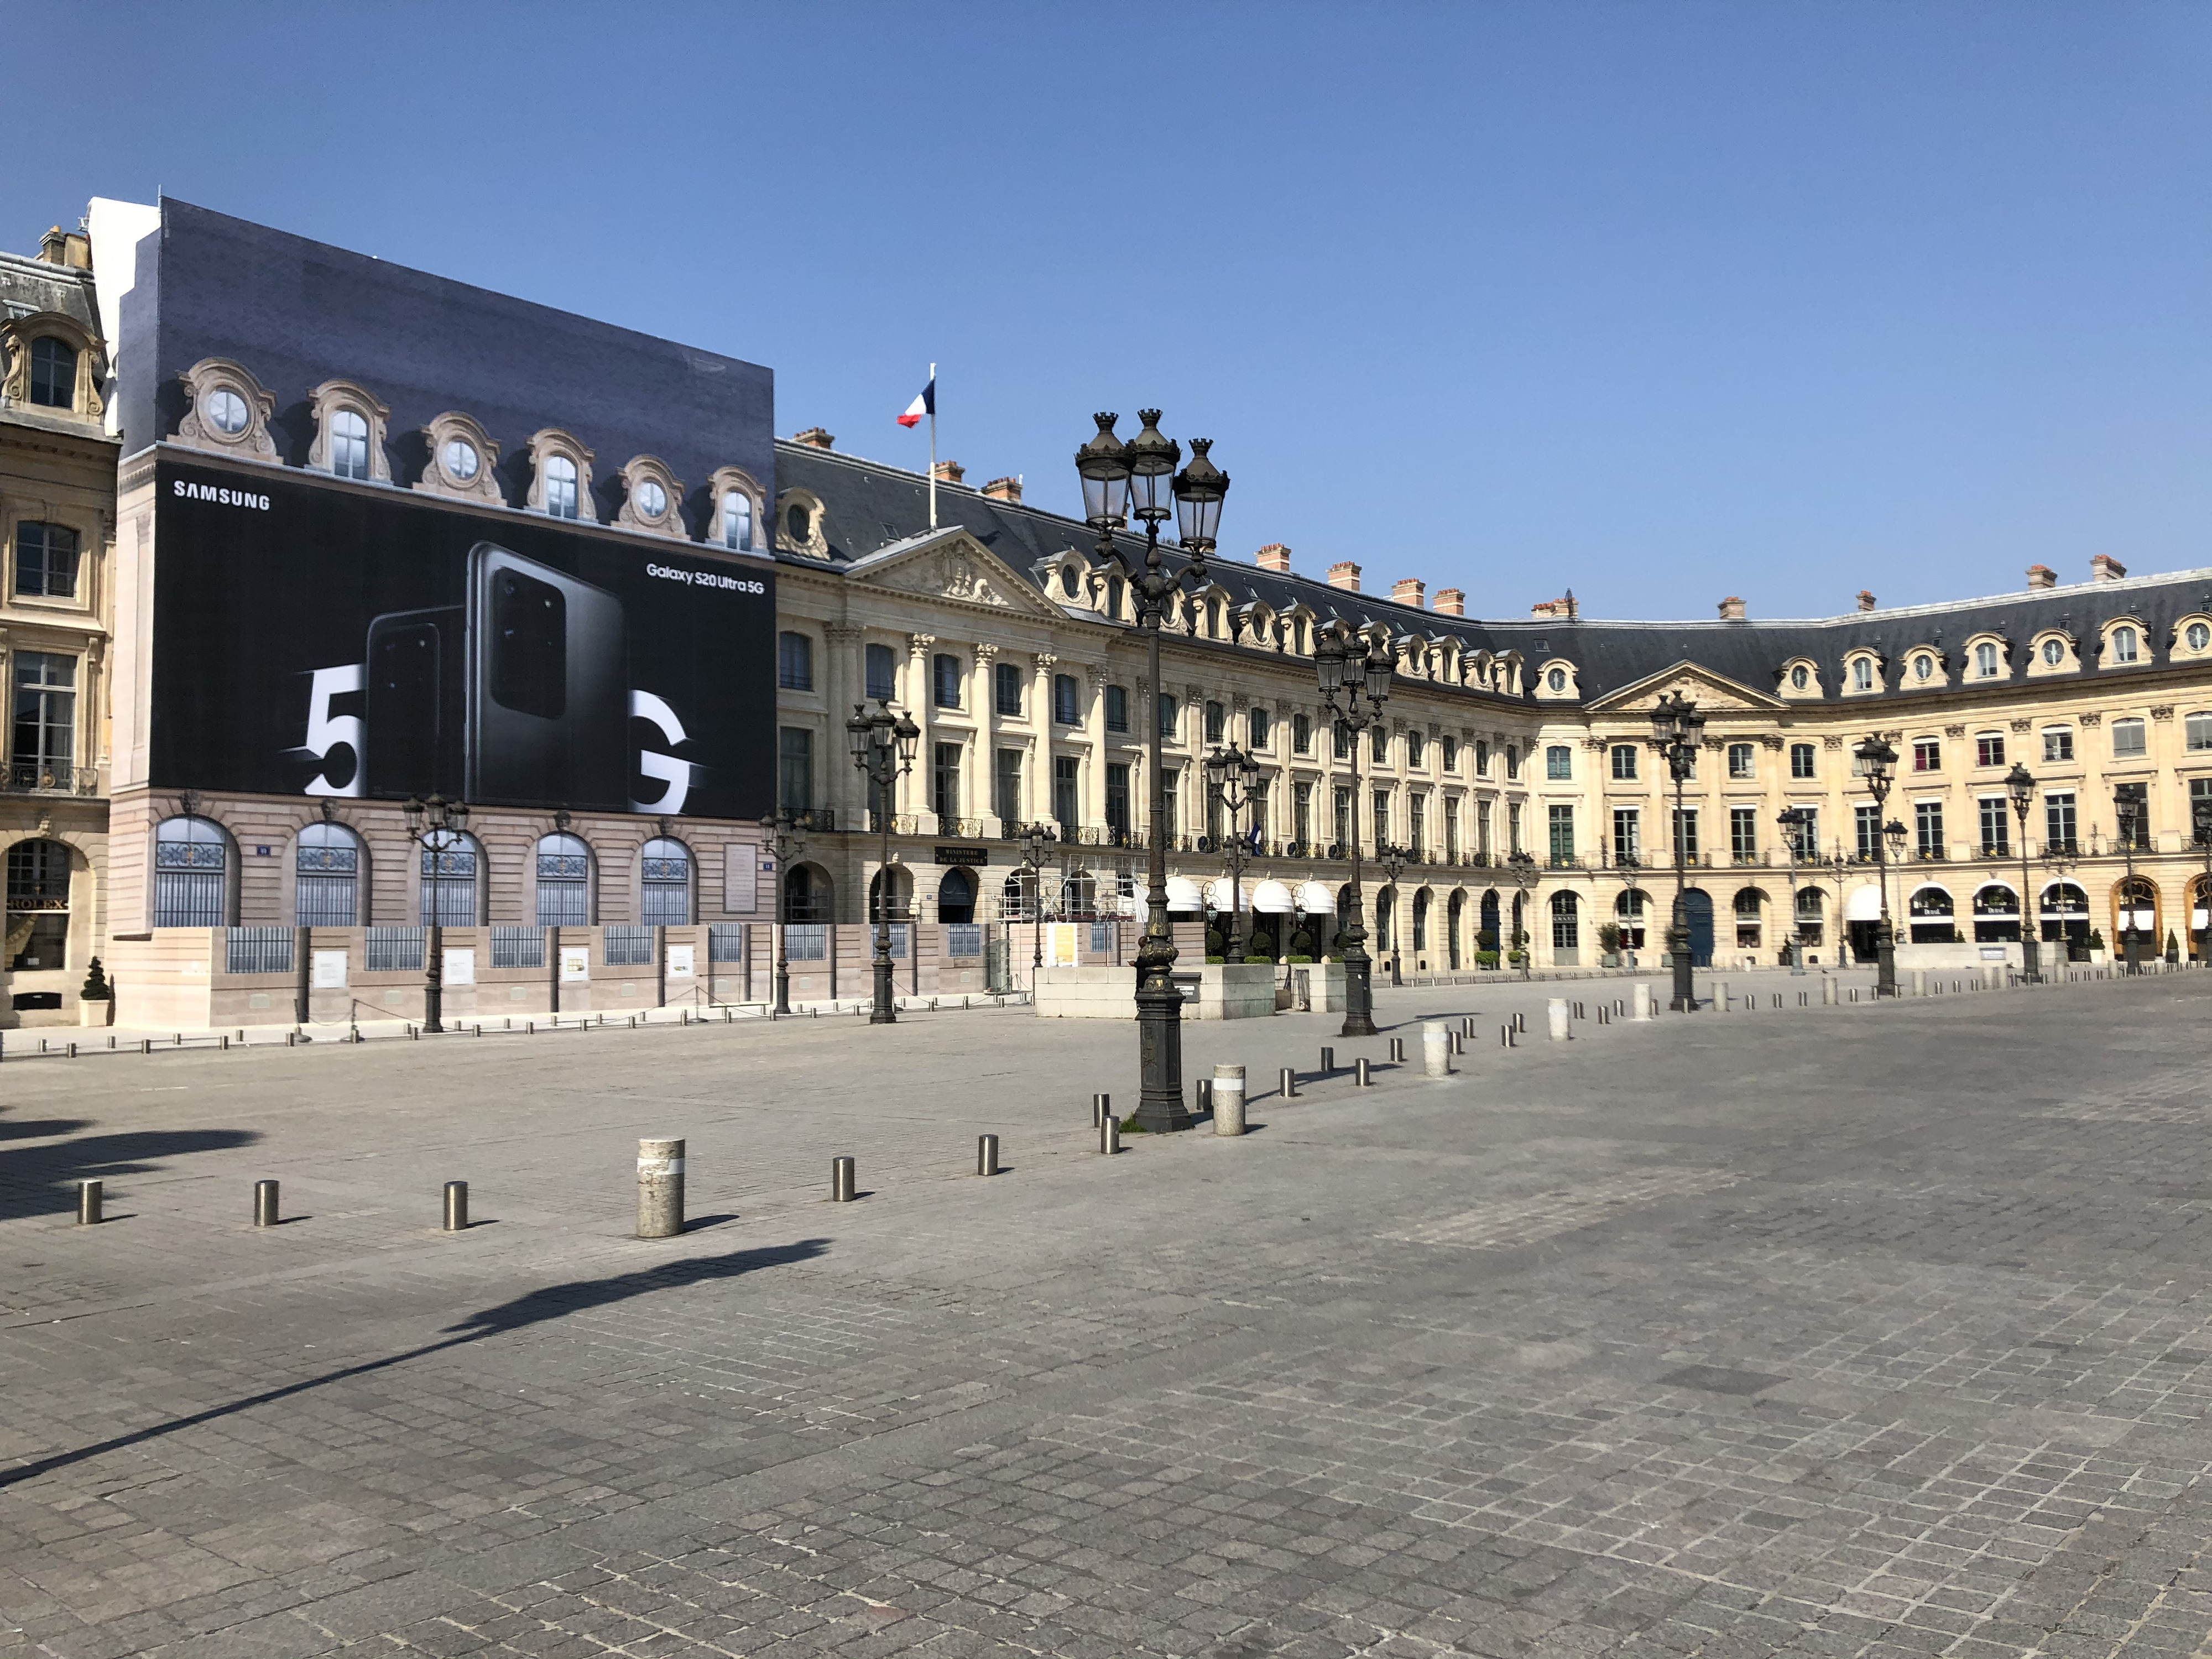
column 1862, row 674
column 564, row 881
column 1931, row 909
column 1985, row 660
column 349, row 444
column 1018, row 897
column 326, row 877
column 1421, row 920
column 1386, row 905
column 38, row 906
column 1628, row 911
column 451, row 862
column 738, row 522
column 956, row 897
column 191, row 873
column 1566, row 921
column 1749, row 904
column 2123, row 645
column 1810, row 905
column 1078, row 897
column 806, row 894
column 901, row 896
column 53, row 372
column 668, row 883
column 561, row 487
column 1996, row 914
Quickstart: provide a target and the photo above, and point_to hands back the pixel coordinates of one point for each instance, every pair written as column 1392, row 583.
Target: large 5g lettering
column 676, row 774
column 335, row 742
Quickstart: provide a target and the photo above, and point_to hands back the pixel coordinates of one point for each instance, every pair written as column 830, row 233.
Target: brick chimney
column 1866, row 601
column 1274, row 556
column 1561, row 609
column 815, row 437
column 63, row 247
column 2106, row 568
column 1003, row 489
column 950, row 472
column 1410, row 590
column 2042, row 575
column 1345, row 574
column 1450, row 602
column 1732, row 609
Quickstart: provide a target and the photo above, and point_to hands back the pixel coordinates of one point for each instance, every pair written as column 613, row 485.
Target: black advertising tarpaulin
column 319, row 640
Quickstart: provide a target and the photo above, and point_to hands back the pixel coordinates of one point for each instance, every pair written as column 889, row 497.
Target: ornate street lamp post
column 2126, row 811
column 1521, row 866
column 436, row 824
column 2020, row 784
column 1035, row 840
column 1119, row 479
column 1878, row 763
column 783, row 844
column 1793, row 821
column 2200, row 821
column 1355, row 684
column 1676, row 726
column 882, row 748
column 1230, row 774
column 1392, row 858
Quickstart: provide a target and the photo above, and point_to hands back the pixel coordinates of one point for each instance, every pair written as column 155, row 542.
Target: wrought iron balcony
column 32, row 778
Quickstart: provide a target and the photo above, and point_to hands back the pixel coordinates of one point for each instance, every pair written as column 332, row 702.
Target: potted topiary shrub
column 2096, row 945
column 95, row 999
column 1608, row 944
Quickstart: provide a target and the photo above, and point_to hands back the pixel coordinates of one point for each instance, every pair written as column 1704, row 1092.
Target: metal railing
column 30, row 778
column 393, row 950
column 257, row 950
column 518, row 947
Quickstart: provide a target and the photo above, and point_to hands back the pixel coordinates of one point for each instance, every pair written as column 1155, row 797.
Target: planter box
column 94, row 1013
column 1223, row 991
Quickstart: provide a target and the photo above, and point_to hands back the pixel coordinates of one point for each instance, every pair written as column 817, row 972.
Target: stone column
column 1039, row 804
column 1091, row 780
column 983, row 771
column 912, row 794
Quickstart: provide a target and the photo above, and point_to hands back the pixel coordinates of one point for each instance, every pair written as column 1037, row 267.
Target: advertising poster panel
column 325, row 642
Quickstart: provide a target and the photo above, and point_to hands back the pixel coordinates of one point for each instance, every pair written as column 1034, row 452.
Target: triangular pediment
column 1715, row 694
column 952, row 565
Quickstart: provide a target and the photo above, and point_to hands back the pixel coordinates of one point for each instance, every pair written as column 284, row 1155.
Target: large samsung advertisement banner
column 317, row 640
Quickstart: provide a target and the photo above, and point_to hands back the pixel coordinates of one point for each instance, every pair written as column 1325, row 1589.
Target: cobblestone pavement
column 1826, row 1331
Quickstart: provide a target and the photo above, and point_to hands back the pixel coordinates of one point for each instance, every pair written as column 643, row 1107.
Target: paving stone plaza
column 1841, row 1330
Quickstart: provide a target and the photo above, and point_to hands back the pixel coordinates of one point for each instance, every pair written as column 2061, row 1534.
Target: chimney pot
column 2042, row 575
column 1345, row 574
column 815, row 437
column 1274, row 556
column 1410, row 590
column 1866, row 601
column 1003, row 489
column 1450, row 602
column 61, row 247
column 2105, row 569
column 1559, row 609
column 1732, row 609
column 950, row 472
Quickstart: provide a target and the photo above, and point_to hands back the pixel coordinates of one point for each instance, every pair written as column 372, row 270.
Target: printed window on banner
column 564, row 882
column 326, row 875
column 668, row 883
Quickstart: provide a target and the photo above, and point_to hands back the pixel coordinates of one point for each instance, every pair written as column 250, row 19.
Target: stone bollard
column 1827, row 991
column 1920, row 981
column 986, row 1155
column 1641, row 1002
column 457, row 1207
column 1721, row 1003
column 659, row 1189
column 264, row 1203
column 1993, row 976
column 88, row 1196
column 1436, row 1048
column 1228, row 1100
column 1556, row 1012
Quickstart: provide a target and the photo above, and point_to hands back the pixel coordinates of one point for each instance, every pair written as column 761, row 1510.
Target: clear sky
column 1657, row 303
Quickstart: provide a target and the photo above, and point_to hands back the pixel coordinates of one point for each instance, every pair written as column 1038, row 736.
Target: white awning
column 1273, row 899
column 1316, row 900
column 1864, row 904
column 1183, row 894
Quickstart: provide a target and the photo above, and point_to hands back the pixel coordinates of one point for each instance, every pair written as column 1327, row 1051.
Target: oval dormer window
column 1557, row 679
column 1067, row 581
column 2054, row 653
column 652, row 499
column 227, row 410
column 1799, row 679
column 460, row 460
column 2199, row 636
column 796, row 521
column 1923, row 667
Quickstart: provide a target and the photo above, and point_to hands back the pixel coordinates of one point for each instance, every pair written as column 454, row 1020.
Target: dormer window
column 652, row 499
column 1799, row 677
column 2054, row 653
column 229, row 410
column 796, row 522
column 561, row 488
column 1069, row 583
column 1923, row 666
column 2199, row 636
column 650, row 493
column 2123, row 645
column 1557, row 679
column 1862, row 674
column 560, row 476
column 460, row 460
column 348, row 432
column 53, row 375
column 1985, row 660
column 226, row 411
column 348, row 445
column 738, row 522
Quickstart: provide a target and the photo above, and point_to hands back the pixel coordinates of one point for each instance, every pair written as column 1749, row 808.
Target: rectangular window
column 1482, row 757
column 883, row 673
column 1624, row 761
column 393, row 950
column 1806, row 836
column 1928, row 756
column 1997, row 826
column 1006, row 689
column 944, row 680
column 1065, row 798
column 1740, row 760
column 2059, row 823
column 1452, row 754
column 1168, row 709
column 1217, row 818
column 2128, row 739
column 1483, row 843
column 2058, row 744
column 1417, row 825
column 1866, row 824
column 1117, row 799
column 1217, row 722
column 1562, row 827
column 1512, row 826
column 1300, row 735
column 1170, row 796
column 1118, row 709
column 46, row 561
column 1627, row 836
column 1743, row 834
column 794, row 662
column 1800, row 760
column 1007, row 786
column 1685, row 833
column 1262, row 729
column 2131, row 815
column 1378, row 745
column 1381, row 817
column 2199, row 729
column 524, row 947
column 1928, row 827
column 1066, row 704
column 1512, row 762
column 1343, row 819
column 794, row 764
column 944, row 783
column 1301, row 816
column 1340, row 740
column 1559, row 762
column 626, row 946
column 1451, row 832
column 1989, row 750
column 44, row 720
column 1257, row 825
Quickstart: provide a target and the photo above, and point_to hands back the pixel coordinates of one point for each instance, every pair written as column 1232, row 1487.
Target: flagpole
column 933, row 445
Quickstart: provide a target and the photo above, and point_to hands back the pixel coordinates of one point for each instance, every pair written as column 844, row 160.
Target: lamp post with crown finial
column 437, row 825
column 882, row 745
column 2019, row 784
column 1878, row 765
column 1139, row 477
column 1354, row 674
column 1676, row 726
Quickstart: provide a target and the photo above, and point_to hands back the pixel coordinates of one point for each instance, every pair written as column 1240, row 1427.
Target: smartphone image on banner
column 416, row 705
column 548, row 676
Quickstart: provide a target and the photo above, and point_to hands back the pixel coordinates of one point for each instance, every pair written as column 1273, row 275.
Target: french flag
column 925, row 404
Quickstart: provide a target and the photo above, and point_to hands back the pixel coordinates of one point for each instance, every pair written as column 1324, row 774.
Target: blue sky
column 1657, row 303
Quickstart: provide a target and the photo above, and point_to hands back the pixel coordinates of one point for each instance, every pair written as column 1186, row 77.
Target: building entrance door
column 1866, row 945
column 1697, row 910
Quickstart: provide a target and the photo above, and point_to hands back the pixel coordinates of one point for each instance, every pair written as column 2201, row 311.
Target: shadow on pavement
column 42, row 1180
column 554, row 1302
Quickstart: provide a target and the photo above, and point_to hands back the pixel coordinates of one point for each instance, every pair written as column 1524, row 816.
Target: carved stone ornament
column 461, row 460
column 1096, row 673
column 1954, row 730
column 1832, row 744
column 1045, row 658
column 2023, row 725
column 230, row 412
column 2091, row 719
column 917, row 645
column 1772, row 740
column 646, row 481
column 950, row 574
column 2163, row 711
column 984, row 654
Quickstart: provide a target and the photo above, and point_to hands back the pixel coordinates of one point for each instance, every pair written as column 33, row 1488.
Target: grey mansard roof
column 869, row 506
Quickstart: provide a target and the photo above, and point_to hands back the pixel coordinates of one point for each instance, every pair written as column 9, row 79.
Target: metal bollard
column 1102, row 1107
column 986, row 1155
column 457, row 1207
column 1360, row 1078
column 1228, row 1100
column 88, row 1193
column 145, row 1045
column 1109, row 1136
column 1520, row 1024
column 1397, row 1051
column 1854, row 993
column 264, row 1203
column 1288, row 1084
column 1436, row 1048
column 1467, row 1026
column 844, row 1175
column 1804, row 999
column 659, row 1189
column 1204, row 1092
column 1778, row 999
column 1327, row 1061
column 1458, row 1042
column 1555, row 1013
column 1505, row 1037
